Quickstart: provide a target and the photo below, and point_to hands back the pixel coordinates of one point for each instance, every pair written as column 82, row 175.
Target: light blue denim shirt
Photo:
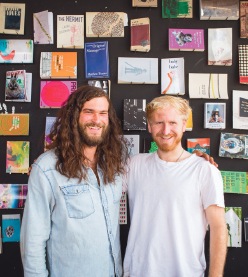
column 69, row 228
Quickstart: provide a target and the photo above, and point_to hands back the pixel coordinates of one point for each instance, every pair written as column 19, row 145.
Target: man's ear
column 149, row 126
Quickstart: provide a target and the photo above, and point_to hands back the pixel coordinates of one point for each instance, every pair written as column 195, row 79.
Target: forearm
column 218, row 249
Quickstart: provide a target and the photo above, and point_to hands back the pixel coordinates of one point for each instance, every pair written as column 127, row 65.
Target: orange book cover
column 14, row 124
column 58, row 65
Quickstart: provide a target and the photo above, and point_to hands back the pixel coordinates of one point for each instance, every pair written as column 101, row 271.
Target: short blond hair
column 178, row 103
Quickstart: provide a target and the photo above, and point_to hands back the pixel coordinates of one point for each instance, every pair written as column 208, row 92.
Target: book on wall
column 186, row 39
column 134, row 114
column 132, row 144
column 14, row 124
column 189, row 123
column 208, row 85
column 233, row 146
column 137, row 70
column 11, row 227
column 240, row 109
column 16, row 51
column 140, row 34
column 17, row 157
column 123, row 209
column 219, row 10
column 234, row 181
column 43, row 27
column 53, row 94
column 50, row 120
column 13, row 196
column 12, row 18
column 243, row 63
column 215, row 115
column 177, row 9
column 96, row 56
column 145, row 3
column 105, row 85
column 18, row 86
column 172, row 76
column 220, row 46
column 243, row 15
column 149, row 146
column 70, row 31
column 202, row 144
column 105, row 24
column 233, row 216
column 58, row 65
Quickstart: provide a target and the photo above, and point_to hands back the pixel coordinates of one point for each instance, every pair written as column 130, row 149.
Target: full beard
column 165, row 146
column 93, row 140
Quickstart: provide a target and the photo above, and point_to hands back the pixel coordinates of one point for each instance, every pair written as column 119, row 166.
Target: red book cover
column 140, row 34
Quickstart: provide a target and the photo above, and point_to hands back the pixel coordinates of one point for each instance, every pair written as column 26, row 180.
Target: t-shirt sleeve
column 212, row 186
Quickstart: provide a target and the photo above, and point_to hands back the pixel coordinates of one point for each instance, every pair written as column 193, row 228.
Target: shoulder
column 205, row 167
column 46, row 161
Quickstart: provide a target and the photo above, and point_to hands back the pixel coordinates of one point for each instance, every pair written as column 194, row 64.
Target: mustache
column 165, row 136
column 94, row 125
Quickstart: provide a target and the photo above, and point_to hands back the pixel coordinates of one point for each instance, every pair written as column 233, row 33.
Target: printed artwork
column 202, row 144
column 14, row 124
column 234, row 226
column 11, row 226
column 54, row 94
column 13, row 196
column 16, row 51
column 137, row 70
column 123, row 209
column 215, row 115
column 43, row 27
column 105, row 24
column 233, row 146
column 12, row 17
column 17, row 157
column 49, row 124
column 132, row 144
column 240, row 109
column 134, row 114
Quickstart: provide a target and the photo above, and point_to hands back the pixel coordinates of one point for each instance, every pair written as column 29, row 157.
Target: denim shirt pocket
column 78, row 200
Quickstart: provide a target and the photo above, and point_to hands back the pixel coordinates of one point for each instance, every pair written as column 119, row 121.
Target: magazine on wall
column 233, row 146
column 215, row 115
column 13, row 196
column 70, row 31
column 16, row 51
column 240, row 109
column 202, row 144
column 15, row 124
column 234, row 181
column 233, row 217
column 137, row 70
column 105, row 24
column 172, row 76
column 186, row 39
column 18, row 86
column 219, row 10
column 220, row 46
column 43, row 27
column 177, row 9
column 12, row 18
column 208, row 85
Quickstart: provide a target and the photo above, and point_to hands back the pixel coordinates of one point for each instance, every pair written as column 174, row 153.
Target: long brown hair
column 111, row 154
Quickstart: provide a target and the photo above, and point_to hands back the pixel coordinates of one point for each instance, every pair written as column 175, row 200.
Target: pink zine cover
column 186, row 39
column 53, row 94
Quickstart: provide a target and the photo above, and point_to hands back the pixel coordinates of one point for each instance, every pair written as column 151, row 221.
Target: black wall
column 195, row 62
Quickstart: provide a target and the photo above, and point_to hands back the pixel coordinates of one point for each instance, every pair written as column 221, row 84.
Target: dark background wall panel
column 195, row 62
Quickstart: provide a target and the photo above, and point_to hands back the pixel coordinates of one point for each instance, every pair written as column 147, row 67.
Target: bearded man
column 70, row 224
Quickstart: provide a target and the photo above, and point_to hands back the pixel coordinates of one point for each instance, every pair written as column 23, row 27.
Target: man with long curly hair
column 70, row 222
